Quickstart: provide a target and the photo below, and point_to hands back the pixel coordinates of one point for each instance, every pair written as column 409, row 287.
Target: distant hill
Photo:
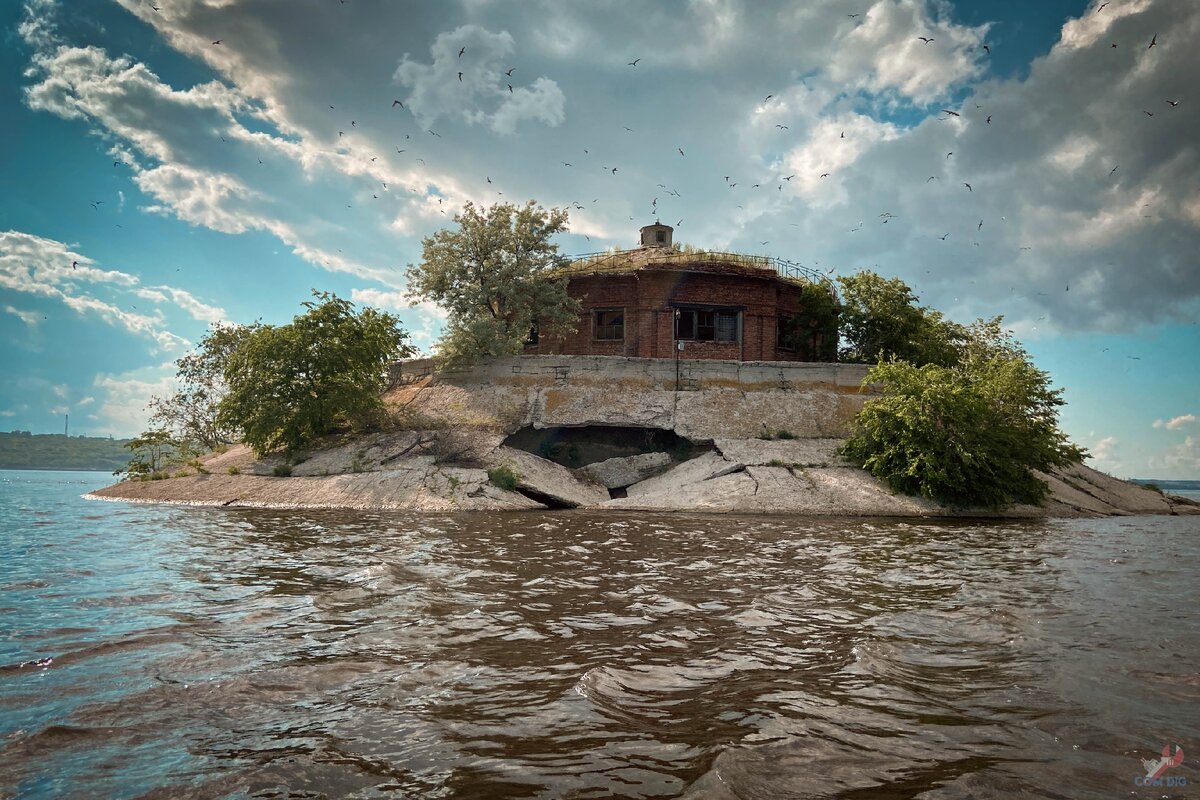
column 1169, row 485
column 23, row 450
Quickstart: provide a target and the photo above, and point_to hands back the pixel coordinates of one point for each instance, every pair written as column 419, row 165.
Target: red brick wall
column 648, row 297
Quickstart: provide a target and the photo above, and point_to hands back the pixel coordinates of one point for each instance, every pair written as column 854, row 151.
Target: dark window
column 706, row 325
column 533, row 334
column 660, row 236
column 608, row 324
column 783, row 337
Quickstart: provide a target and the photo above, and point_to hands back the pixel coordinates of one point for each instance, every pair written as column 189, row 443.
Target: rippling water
column 148, row 651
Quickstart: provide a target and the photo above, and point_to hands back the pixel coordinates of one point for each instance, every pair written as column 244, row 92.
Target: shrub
column 504, row 477
column 234, row 471
column 282, row 471
column 967, row 435
column 785, row 435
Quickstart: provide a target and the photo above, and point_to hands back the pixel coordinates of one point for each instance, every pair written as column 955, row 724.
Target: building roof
column 692, row 260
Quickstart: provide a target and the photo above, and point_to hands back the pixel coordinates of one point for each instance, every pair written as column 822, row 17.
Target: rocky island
column 609, row 433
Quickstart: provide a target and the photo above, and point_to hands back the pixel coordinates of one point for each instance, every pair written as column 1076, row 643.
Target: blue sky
column 193, row 182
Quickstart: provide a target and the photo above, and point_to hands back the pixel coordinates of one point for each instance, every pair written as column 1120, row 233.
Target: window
column 608, row 324
column 532, row 339
column 783, row 332
column 660, row 236
column 707, row 325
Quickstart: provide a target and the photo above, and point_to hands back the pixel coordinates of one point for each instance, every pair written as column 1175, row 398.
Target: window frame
column 597, row 326
column 709, row 322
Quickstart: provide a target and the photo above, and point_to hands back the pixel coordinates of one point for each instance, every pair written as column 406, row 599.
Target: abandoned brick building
column 649, row 301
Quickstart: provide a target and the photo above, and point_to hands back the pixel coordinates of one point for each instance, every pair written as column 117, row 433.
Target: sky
column 171, row 165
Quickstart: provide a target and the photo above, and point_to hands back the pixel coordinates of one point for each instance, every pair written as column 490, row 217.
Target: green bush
column 967, row 435
column 234, row 471
column 282, row 471
column 504, row 477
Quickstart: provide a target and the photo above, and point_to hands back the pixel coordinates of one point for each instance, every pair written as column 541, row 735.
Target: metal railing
column 613, row 260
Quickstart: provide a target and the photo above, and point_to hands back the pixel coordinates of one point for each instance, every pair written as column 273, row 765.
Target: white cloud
column 42, row 267
column 123, row 409
column 28, row 317
column 1103, row 456
column 474, row 87
column 1175, row 422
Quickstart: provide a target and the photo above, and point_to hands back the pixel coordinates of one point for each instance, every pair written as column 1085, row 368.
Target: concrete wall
column 714, row 399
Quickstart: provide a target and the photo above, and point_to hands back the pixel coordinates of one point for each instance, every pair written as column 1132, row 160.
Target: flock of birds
column 780, row 181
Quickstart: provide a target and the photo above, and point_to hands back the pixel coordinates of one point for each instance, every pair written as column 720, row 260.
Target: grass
column 504, row 477
column 282, row 471
column 234, row 471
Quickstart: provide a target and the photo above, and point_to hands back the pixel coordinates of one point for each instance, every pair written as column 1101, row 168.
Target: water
column 233, row 654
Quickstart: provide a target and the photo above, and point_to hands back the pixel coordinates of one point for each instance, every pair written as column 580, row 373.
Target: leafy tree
column 812, row 333
column 191, row 412
column 880, row 318
column 289, row 384
column 495, row 276
column 965, row 435
column 152, row 450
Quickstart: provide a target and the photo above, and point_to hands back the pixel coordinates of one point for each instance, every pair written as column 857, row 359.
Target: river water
column 160, row 652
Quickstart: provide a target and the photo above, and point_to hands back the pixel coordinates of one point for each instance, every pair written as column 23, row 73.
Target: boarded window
column 608, row 324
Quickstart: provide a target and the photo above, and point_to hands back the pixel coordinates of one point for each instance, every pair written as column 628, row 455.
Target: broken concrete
column 617, row 473
column 542, row 478
column 701, row 468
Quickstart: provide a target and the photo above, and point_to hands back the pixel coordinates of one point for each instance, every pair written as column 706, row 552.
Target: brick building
column 648, row 301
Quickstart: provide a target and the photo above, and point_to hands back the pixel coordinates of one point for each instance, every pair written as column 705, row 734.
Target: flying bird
column 943, row 238
column 74, row 265
column 1148, row 113
column 969, row 189
column 843, row 136
column 979, row 226
column 463, row 50
column 218, row 41
column 988, row 49
column 768, row 97
column 788, row 178
column 989, row 119
column 1153, row 41
column 460, row 77
column 949, row 154
column 931, row 178
column 781, row 127
column 1111, row 171
column 824, row 174
column 951, row 113
column 510, row 91
column 397, row 103
column 925, row 39
column 1172, row 103
column 510, row 71
column 680, row 149
column 1101, row 8
column 634, row 63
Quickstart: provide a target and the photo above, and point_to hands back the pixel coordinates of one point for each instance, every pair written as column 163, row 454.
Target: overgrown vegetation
column 504, row 477
column 496, row 276
column 966, row 433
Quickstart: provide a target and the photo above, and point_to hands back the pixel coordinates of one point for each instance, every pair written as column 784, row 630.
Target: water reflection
column 255, row 653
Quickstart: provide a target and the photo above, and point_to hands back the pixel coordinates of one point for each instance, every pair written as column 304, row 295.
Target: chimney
column 657, row 235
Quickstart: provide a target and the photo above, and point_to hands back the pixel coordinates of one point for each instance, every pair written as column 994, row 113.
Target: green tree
column 813, row 333
column 289, row 384
column 880, row 318
column 965, row 435
column 191, row 413
column 496, row 277
column 152, row 450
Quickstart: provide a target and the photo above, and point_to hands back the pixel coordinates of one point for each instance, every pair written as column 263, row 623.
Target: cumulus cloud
column 123, row 409
column 473, row 86
column 28, row 317
column 1102, row 454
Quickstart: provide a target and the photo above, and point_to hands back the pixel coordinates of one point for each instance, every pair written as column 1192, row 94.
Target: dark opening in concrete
column 576, row 447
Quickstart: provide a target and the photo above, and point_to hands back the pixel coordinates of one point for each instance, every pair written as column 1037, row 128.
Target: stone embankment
column 749, row 438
